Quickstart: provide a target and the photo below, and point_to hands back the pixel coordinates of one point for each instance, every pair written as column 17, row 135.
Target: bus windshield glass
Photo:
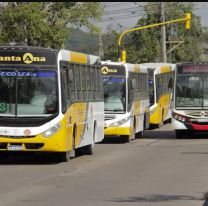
column 114, row 94
column 192, row 90
column 28, row 93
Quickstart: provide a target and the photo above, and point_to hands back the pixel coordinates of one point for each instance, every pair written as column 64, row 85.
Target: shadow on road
column 170, row 134
column 156, row 198
column 24, row 158
column 157, row 133
column 112, row 140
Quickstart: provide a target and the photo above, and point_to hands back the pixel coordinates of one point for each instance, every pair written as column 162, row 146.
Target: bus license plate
column 14, row 147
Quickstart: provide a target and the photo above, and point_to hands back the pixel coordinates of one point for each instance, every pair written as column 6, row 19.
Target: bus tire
column 180, row 133
column 4, row 155
column 160, row 124
column 139, row 134
column 90, row 149
column 63, row 156
column 126, row 138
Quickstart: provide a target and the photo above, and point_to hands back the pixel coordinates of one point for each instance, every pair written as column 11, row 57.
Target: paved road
column 157, row 170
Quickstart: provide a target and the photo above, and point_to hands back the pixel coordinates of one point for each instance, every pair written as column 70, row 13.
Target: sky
column 119, row 12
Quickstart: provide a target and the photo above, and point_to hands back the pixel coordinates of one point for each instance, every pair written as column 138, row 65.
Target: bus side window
column 71, row 82
column 65, row 90
column 80, row 93
column 88, row 81
column 130, row 92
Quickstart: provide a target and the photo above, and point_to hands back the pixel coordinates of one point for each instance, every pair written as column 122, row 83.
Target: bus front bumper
column 38, row 143
column 177, row 125
column 117, row 131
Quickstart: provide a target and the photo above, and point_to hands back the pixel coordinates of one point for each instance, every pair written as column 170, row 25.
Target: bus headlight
column 180, row 117
column 120, row 122
column 52, row 130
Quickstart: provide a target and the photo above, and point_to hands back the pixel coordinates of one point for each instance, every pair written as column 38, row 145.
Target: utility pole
column 101, row 53
column 163, row 33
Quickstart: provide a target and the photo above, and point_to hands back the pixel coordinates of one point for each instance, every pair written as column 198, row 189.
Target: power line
column 130, row 8
column 121, row 17
column 133, row 12
column 116, row 4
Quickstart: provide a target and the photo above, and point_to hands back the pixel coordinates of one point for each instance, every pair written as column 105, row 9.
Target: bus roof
column 78, row 57
column 129, row 66
column 156, row 65
column 193, row 63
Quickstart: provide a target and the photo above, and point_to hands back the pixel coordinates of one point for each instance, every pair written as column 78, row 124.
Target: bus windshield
column 114, row 94
column 28, row 93
column 192, row 91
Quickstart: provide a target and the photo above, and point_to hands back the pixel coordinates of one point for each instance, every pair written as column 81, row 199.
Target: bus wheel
column 63, row 156
column 180, row 134
column 139, row 134
column 89, row 149
column 126, row 138
column 160, row 124
column 4, row 154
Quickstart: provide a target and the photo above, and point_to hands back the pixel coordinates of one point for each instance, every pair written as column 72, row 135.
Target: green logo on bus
column 3, row 107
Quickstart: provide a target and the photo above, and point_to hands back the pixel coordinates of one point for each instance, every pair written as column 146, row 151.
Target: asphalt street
column 157, row 170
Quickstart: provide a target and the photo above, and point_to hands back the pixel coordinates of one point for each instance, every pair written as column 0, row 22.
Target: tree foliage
column 145, row 45
column 46, row 24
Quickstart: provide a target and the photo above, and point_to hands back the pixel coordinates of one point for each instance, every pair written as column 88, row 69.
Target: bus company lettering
column 106, row 70
column 10, row 59
column 27, row 58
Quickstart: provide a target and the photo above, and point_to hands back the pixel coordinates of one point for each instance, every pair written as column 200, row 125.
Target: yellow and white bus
column 126, row 99
column 161, row 80
column 51, row 101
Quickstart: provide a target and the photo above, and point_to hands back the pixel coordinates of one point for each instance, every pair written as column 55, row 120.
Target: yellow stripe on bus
column 162, row 106
column 165, row 69
column 78, row 57
column 117, row 131
column 136, row 68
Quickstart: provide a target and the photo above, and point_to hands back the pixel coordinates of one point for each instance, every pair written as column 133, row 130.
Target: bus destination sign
column 185, row 69
column 107, row 70
column 27, row 57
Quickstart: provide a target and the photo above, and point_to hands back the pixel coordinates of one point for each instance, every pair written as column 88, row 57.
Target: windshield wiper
column 114, row 110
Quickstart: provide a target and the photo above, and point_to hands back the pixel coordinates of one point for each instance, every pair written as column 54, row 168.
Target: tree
column 147, row 42
column 46, row 24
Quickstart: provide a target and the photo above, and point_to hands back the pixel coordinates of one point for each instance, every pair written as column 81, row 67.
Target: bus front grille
column 28, row 146
column 198, row 114
column 17, row 137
